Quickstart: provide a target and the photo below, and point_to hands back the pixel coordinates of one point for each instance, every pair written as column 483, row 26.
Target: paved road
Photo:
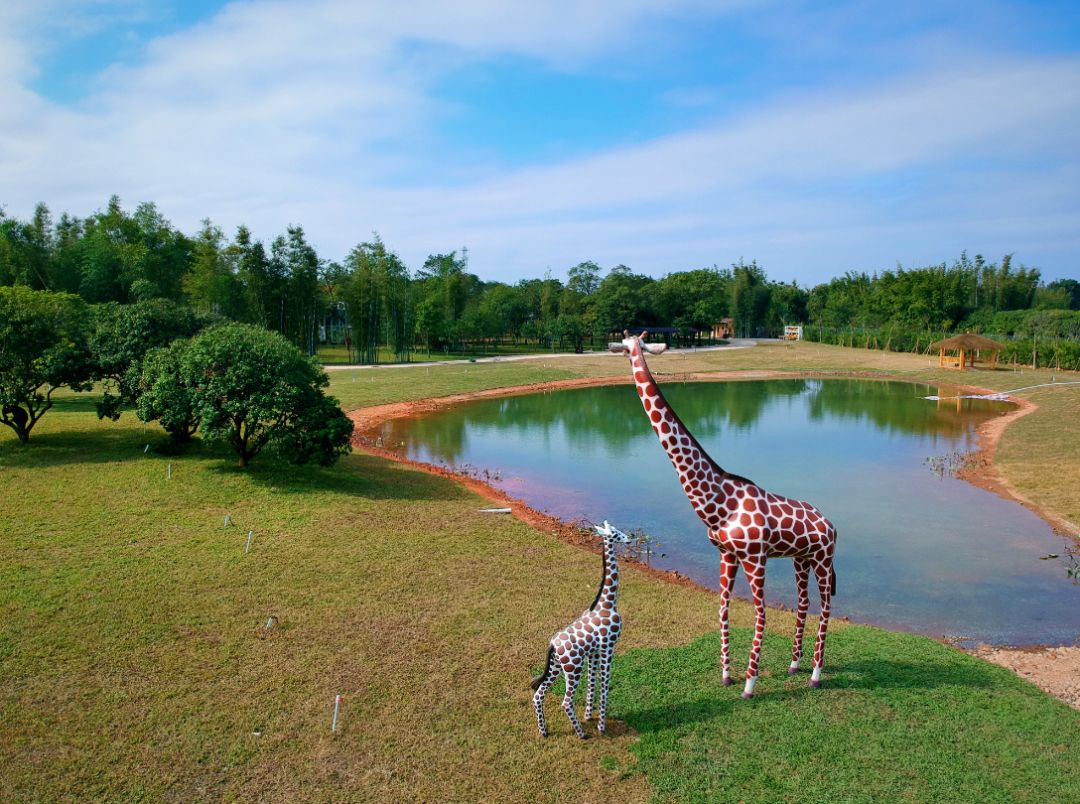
column 737, row 343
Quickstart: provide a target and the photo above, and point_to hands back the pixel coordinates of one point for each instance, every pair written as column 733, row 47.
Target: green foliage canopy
column 43, row 346
column 251, row 387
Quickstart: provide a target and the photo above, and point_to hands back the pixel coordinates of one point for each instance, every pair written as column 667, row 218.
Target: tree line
column 389, row 311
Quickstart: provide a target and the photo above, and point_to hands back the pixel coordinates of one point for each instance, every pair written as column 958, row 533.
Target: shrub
column 122, row 335
column 163, row 394
column 251, row 387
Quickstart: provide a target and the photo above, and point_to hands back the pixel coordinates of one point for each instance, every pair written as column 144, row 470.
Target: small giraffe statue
column 746, row 523
column 591, row 637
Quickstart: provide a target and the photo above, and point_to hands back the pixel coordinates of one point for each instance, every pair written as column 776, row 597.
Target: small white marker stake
column 168, row 473
column 337, row 708
column 247, row 547
column 146, row 450
column 228, row 521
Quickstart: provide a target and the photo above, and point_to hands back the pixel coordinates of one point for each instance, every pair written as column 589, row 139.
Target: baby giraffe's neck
column 609, row 582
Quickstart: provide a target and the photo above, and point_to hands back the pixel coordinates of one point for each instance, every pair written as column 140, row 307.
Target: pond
column 918, row 549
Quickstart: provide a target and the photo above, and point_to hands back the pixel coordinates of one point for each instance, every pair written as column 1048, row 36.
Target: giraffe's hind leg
column 550, row 674
column 802, row 581
column 824, row 572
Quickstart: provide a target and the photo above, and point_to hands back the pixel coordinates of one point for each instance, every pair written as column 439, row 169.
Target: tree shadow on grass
column 103, row 444
column 355, row 475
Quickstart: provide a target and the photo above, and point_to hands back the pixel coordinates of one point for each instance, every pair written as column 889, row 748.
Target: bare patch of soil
column 1054, row 670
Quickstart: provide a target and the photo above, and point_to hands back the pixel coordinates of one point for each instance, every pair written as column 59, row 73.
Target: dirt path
column 1056, row 670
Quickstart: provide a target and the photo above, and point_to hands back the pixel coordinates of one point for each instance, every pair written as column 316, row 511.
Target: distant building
column 724, row 330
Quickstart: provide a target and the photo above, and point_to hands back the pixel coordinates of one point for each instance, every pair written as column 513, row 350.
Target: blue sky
column 815, row 138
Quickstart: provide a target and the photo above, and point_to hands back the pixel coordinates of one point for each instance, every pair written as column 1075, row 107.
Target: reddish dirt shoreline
column 1054, row 669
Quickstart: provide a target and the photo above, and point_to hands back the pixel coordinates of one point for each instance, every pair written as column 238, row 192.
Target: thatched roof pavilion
column 969, row 347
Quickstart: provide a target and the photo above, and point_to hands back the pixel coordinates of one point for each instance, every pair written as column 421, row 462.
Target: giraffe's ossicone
column 590, row 639
column 747, row 524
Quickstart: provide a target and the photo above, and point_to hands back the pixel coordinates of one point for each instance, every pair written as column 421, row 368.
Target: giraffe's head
column 607, row 530
column 631, row 344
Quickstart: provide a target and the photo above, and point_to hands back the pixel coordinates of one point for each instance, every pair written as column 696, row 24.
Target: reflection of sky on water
column 918, row 552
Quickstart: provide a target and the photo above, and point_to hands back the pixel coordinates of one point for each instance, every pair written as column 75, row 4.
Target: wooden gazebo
column 964, row 349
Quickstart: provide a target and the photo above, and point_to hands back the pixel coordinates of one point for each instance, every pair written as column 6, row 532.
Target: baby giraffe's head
column 626, row 346
column 607, row 530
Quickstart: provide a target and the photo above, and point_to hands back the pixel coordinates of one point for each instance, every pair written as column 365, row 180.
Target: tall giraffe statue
column 592, row 637
column 747, row 524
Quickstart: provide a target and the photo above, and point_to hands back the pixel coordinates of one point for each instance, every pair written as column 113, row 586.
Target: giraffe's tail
column 832, row 581
column 538, row 680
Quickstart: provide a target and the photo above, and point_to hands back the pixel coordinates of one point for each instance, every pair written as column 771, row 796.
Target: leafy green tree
column 43, row 346
column 693, row 299
column 211, row 284
column 122, row 334
column 164, row 394
column 251, row 387
column 624, row 299
column 749, row 298
column 376, row 291
column 295, row 265
column 1071, row 288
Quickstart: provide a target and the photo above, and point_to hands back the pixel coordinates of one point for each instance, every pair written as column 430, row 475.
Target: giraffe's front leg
column 802, row 581
column 590, row 683
column 825, row 579
column 755, row 574
column 573, row 676
column 728, row 568
column 606, row 657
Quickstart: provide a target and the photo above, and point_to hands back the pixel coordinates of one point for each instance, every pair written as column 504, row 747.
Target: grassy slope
column 135, row 665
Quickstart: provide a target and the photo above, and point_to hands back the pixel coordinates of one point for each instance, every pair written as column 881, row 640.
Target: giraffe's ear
column 655, row 348
column 617, row 348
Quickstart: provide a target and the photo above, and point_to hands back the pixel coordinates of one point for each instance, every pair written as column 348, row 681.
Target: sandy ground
column 1056, row 670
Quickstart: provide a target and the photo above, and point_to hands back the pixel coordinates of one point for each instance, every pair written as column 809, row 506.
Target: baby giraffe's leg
column 590, row 682
column 550, row 674
column 573, row 676
column 607, row 656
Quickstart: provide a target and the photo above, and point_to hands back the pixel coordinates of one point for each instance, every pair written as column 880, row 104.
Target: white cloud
column 271, row 113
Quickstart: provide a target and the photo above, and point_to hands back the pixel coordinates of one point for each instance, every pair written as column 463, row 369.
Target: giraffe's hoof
column 815, row 683
column 792, row 671
column 747, row 696
column 727, row 681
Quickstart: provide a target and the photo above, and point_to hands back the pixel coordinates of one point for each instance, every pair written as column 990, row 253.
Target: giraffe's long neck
column 609, row 583
column 697, row 471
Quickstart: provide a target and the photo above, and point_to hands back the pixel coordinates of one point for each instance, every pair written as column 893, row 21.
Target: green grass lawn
column 135, row 663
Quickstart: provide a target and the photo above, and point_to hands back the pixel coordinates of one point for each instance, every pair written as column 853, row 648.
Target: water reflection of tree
column 896, row 407
column 611, row 415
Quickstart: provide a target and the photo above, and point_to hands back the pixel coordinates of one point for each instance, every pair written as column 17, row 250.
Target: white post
column 168, row 473
column 247, row 547
column 337, row 708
